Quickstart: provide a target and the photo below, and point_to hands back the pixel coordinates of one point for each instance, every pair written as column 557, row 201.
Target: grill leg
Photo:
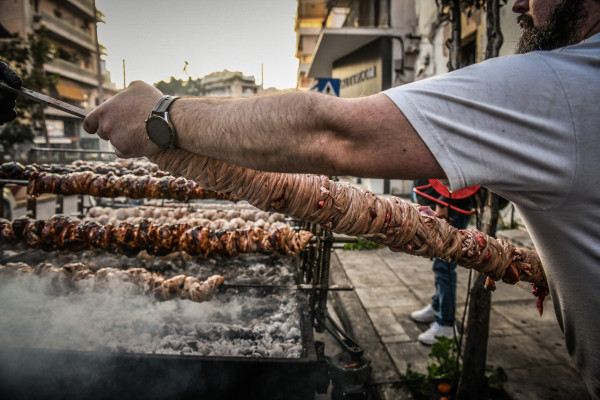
column 349, row 377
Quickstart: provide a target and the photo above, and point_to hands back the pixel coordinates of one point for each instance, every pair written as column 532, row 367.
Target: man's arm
column 290, row 132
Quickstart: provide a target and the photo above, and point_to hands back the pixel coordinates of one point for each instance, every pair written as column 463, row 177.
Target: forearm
column 306, row 132
column 285, row 133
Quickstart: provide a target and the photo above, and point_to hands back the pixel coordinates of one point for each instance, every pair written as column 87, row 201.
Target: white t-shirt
column 528, row 128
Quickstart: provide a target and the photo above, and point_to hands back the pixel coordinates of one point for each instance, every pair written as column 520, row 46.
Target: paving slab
column 524, row 313
column 387, row 325
column 413, row 353
column 390, row 296
column 530, row 348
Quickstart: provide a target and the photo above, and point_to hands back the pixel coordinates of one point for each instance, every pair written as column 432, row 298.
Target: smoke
column 34, row 315
column 116, row 320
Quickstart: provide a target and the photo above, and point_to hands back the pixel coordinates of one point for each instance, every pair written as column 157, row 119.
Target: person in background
column 442, row 309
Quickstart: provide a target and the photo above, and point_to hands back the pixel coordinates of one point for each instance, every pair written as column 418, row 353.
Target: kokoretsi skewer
column 389, row 221
column 74, row 276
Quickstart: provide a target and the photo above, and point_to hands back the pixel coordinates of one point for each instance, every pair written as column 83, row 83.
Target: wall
column 510, row 30
column 366, row 71
column 12, row 15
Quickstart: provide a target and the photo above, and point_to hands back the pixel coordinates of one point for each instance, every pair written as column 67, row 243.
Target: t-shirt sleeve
column 504, row 123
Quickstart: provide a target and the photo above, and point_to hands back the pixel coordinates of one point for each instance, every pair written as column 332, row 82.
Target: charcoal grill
column 49, row 373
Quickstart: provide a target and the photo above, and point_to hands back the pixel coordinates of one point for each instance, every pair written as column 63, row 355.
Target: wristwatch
column 158, row 127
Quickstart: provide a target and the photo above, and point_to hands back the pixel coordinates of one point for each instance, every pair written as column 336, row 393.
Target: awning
column 52, row 140
column 335, row 43
column 70, row 92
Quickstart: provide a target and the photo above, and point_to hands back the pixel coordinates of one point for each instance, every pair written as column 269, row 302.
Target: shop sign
column 55, row 128
column 359, row 77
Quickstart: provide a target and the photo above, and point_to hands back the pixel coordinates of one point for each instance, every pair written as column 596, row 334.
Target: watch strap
column 164, row 103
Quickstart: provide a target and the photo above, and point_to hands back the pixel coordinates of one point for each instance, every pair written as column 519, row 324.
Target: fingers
column 8, row 113
column 9, row 76
column 441, row 212
column 90, row 123
column 119, row 154
column 7, row 99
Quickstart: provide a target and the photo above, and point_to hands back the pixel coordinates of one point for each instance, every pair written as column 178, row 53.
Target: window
column 468, row 51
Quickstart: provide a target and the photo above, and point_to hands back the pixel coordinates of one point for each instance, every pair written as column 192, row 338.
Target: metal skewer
column 304, row 286
column 14, row 181
column 50, row 101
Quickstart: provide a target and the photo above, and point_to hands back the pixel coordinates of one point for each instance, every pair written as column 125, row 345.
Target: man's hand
column 441, row 211
column 7, row 99
column 121, row 120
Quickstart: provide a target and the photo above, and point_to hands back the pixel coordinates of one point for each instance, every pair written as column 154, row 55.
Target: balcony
column 72, row 71
column 84, row 6
column 66, row 31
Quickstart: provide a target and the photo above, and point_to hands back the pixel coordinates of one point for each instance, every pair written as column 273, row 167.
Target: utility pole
column 98, row 58
column 124, row 81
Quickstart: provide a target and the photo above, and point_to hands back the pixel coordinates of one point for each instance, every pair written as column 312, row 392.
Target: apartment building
column 71, row 27
column 373, row 45
column 229, row 84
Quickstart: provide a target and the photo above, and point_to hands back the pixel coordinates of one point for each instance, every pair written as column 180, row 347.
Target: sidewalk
column 389, row 286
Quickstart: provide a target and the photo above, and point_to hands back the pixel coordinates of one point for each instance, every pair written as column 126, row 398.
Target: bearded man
column 525, row 126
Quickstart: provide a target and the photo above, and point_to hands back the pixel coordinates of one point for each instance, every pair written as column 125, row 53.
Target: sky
column 156, row 38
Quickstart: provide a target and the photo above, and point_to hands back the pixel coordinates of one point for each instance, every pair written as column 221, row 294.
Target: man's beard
column 561, row 28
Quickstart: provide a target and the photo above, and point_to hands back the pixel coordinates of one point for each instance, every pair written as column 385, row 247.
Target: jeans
column 444, row 299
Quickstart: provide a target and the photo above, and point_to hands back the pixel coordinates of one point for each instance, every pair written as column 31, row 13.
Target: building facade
column 229, row 84
column 83, row 80
column 374, row 45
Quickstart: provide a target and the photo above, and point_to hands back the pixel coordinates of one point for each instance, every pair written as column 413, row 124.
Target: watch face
column 158, row 131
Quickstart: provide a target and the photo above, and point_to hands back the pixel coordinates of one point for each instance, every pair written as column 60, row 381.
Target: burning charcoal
column 278, row 317
column 295, row 352
column 276, row 352
column 293, row 333
column 172, row 342
column 273, row 328
column 192, row 345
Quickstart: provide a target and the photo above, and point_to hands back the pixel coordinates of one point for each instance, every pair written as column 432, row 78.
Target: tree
column 472, row 379
column 179, row 87
column 28, row 58
column 15, row 132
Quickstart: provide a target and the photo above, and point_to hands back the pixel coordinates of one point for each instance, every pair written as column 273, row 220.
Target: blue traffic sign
column 329, row 86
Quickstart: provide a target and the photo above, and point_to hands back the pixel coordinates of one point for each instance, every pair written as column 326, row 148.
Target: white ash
column 244, row 325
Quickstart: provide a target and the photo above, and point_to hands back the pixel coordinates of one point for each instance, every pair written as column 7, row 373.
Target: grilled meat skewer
column 60, row 232
column 75, row 276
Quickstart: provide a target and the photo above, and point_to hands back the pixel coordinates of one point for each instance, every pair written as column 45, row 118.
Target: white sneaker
column 425, row 315
column 428, row 337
